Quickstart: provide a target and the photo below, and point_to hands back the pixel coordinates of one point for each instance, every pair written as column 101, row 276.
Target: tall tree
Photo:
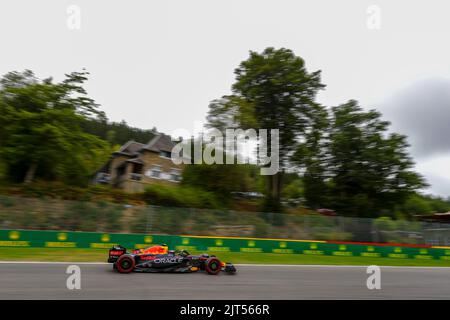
column 273, row 90
column 370, row 169
column 311, row 158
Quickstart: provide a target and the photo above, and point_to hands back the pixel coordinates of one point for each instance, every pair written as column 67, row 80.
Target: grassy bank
column 100, row 255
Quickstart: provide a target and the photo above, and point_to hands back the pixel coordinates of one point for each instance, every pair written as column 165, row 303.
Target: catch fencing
column 106, row 217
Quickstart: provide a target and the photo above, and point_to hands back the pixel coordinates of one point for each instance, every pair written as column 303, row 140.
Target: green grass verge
column 100, row 255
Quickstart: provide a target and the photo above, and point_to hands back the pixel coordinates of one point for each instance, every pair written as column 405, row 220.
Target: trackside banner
column 94, row 240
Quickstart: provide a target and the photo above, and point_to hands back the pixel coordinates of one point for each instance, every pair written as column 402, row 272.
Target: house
column 136, row 165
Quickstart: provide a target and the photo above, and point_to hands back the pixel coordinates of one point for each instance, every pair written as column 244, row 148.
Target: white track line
column 335, row 266
column 238, row 265
column 51, row 262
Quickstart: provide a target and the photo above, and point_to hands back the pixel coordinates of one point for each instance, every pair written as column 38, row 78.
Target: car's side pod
column 115, row 252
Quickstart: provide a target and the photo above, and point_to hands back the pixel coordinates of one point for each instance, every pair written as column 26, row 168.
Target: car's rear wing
column 115, row 252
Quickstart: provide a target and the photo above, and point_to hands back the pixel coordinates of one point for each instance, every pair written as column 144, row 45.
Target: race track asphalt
column 99, row 281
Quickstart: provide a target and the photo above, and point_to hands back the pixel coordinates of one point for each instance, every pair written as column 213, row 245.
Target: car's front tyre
column 213, row 265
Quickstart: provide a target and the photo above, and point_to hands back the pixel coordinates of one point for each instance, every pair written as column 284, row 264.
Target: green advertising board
column 95, row 240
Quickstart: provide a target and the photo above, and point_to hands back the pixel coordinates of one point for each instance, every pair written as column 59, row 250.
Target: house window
column 175, row 175
column 165, row 154
column 154, row 172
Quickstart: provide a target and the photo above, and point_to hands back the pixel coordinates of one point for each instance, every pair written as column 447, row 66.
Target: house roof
column 160, row 142
column 131, row 148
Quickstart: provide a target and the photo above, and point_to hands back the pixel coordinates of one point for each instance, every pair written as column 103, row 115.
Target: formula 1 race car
column 160, row 259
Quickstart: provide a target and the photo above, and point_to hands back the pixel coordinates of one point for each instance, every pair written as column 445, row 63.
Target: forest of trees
column 54, row 131
column 342, row 157
column 116, row 133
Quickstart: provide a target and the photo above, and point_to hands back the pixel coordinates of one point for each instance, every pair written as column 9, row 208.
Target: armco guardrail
column 58, row 239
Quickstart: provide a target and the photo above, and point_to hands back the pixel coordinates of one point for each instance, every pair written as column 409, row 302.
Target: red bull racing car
column 160, row 259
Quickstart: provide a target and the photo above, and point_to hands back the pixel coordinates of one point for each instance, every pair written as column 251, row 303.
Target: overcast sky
column 159, row 63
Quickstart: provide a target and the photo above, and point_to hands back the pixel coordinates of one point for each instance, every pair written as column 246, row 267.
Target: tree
column 311, row 156
column 116, row 132
column 293, row 187
column 41, row 132
column 273, row 90
column 369, row 169
column 418, row 204
column 221, row 180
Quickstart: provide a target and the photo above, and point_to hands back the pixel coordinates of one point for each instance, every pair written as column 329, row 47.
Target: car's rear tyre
column 125, row 264
column 213, row 265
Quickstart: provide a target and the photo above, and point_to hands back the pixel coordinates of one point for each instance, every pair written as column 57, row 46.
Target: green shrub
column 278, row 219
column 180, row 196
column 27, row 220
column 385, row 224
column 79, row 216
column 113, row 217
column 203, row 221
column 275, row 218
column 7, row 201
column 167, row 221
column 58, row 190
column 334, row 235
column 139, row 222
column 261, row 229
